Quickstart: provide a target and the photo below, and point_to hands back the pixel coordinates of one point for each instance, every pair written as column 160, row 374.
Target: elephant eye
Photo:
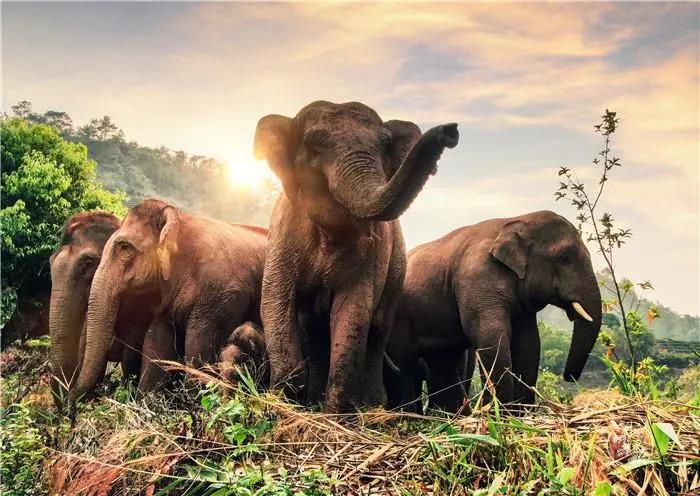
column 89, row 262
column 125, row 249
column 566, row 257
column 318, row 139
column 385, row 138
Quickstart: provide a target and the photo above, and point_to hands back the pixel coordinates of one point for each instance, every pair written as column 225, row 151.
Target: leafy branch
column 600, row 228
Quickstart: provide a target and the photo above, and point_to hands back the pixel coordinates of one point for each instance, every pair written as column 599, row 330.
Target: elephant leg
column 445, row 391
column 158, row 344
column 525, row 355
column 383, row 320
column 131, row 355
column 491, row 337
column 279, row 317
column 350, row 322
column 314, row 332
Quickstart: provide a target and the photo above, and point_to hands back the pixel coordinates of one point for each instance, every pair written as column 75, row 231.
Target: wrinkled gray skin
column 73, row 266
column 244, row 348
column 336, row 258
column 480, row 287
column 194, row 277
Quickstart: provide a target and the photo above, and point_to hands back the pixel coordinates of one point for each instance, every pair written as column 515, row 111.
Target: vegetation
column 45, row 179
column 230, row 439
column 192, row 182
column 52, row 168
column 636, row 433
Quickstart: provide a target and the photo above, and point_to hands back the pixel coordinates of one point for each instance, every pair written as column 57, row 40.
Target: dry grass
column 128, row 449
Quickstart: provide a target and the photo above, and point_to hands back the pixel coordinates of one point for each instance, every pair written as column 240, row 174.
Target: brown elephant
column 194, row 277
column 336, row 258
column 73, row 266
column 480, row 287
column 245, row 347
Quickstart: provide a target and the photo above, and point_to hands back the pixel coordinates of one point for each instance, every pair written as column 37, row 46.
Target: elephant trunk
column 102, row 313
column 587, row 323
column 359, row 183
column 66, row 319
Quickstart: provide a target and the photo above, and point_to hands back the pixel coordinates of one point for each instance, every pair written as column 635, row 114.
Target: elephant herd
column 327, row 304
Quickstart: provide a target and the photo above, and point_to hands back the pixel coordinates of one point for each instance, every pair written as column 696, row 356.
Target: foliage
column 21, row 452
column 551, row 387
column 223, row 439
column 45, row 179
column 608, row 237
column 193, row 182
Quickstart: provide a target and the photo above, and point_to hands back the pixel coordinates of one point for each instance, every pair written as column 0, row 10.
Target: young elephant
column 245, row 347
column 193, row 276
column 480, row 287
column 73, row 266
column 335, row 260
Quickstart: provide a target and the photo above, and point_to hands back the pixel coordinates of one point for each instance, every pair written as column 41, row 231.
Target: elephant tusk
column 579, row 310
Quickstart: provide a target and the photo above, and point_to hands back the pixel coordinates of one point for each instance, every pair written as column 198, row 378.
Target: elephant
column 336, row 258
column 245, row 347
column 480, row 288
column 193, row 277
column 73, row 266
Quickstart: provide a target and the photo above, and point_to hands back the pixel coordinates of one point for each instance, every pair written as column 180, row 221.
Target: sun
column 247, row 173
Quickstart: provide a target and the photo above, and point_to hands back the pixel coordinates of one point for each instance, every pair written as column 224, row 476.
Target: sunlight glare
column 248, row 173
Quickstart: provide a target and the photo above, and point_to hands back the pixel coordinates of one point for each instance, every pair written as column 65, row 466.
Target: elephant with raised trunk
column 73, row 266
column 480, row 288
column 194, row 277
column 335, row 260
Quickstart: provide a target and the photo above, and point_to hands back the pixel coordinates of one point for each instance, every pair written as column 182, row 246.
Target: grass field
column 220, row 439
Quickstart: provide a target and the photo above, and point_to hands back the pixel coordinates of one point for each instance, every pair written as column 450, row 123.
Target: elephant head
column 127, row 285
column 244, row 347
column 553, row 266
column 73, row 266
column 344, row 155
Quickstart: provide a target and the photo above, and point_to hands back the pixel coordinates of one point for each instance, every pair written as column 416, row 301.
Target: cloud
column 526, row 82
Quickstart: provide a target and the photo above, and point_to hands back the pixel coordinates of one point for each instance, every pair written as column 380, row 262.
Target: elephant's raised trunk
column 359, row 184
column 102, row 313
column 66, row 319
column 585, row 330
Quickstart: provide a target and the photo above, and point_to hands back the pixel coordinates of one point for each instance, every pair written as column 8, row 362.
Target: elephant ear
column 167, row 242
column 404, row 136
column 275, row 141
column 510, row 247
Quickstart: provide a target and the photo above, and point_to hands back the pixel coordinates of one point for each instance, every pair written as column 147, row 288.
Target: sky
column 525, row 81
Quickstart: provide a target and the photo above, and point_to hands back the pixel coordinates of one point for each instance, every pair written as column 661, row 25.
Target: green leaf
column 664, row 434
column 635, row 464
column 602, row 488
column 566, row 475
column 463, row 439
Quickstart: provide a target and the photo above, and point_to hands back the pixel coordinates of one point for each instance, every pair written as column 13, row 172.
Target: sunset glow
column 248, row 173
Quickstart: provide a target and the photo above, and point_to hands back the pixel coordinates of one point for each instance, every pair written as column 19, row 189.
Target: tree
column 22, row 109
column 105, row 128
column 59, row 120
column 45, row 180
column 601, row 230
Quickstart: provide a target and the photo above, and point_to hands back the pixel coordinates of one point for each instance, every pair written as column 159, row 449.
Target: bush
column 21, row 452
column 45, row 180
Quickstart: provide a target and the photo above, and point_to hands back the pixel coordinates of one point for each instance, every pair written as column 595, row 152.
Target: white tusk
column 579, row 310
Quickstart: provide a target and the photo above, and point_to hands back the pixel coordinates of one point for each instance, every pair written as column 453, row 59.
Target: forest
column 233, row 437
